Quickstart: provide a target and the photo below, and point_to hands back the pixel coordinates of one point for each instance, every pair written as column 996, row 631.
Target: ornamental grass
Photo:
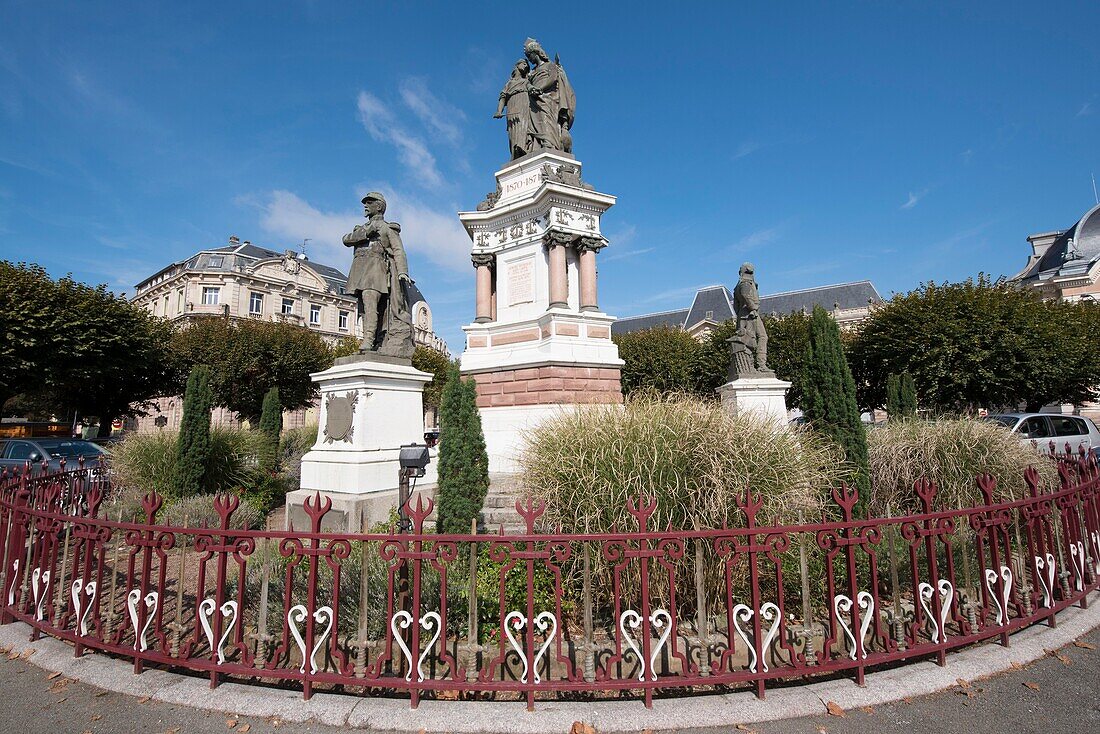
column 688, row 454
column 950, row 452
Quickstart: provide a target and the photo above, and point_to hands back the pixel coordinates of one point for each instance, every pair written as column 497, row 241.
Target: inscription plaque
column 521, row 281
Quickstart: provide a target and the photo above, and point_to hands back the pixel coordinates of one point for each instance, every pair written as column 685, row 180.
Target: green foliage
column 248, row 358
column 193, row 447
column 271, row 426
column 980, row 343
column 712, row 361
column 295, row 443
column 429, row 360
column 901, row 396
column 463, row 463
column 515, row 591
column 951, row 453
column 79, row 347
column 788, row 339
column 144, row 462
column 662, row 358
column 346, row 347
column 829, row 396
column 195, row 512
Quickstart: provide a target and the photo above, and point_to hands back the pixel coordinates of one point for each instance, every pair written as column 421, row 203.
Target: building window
column 211, row 296
column 315, row 315
column 256, row 303
column 179, row 301
column 216, row 261
column 343, row 321
column 165, row 304
column 288, row 306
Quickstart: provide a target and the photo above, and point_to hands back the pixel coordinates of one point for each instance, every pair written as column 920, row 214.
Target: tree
column 901, row 396
column 70, row 346
column 829, row 396
column 193, row 444
column 248, row 358
column 662, row 358
column 788, row 339
column 438, row 365
column 463, row 462
column 271, row 427
column 980, row 343
column 712, row 360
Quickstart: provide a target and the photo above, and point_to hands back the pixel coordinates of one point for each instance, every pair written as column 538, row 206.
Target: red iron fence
column 542, row 615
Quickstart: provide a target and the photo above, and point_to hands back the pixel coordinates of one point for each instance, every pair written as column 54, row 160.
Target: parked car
column 1039, row 429
column 16, row 452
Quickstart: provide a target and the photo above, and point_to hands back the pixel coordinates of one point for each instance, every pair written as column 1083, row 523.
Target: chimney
column 234, row 240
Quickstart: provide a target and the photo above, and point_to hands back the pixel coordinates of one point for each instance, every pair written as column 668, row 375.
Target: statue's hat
column 373, row 195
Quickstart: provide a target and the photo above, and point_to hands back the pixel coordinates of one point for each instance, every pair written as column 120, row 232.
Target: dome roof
column 1074, row 251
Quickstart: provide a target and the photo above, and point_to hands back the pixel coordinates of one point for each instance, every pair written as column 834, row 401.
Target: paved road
column 1056, row 693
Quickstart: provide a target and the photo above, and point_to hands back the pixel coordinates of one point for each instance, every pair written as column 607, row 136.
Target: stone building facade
column 242, row 281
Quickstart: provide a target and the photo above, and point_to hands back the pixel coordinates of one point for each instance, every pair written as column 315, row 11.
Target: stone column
column 587, row 247
column 556, row 242
column 484, row 262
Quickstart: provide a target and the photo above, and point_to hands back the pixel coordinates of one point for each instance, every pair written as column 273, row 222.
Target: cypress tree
column 829, row 398
column 463, row 462
column 271, row 426
column 193, row 445
column 893, row 396
column 907, row 395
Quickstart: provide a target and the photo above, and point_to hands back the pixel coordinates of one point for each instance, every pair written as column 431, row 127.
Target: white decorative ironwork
column 1045, row 570
column 543, row 621
column 659, row 618
column 78, row 590
column 1006, row 589
column 1096, row 551
column 295, row 617
column 152, row 599
column 1077, row 555
column 40, row 585
column 404, row 620
column 843, row 603
column 947, row 595
column 14, row 582
column 769, row 612
column 206, row 614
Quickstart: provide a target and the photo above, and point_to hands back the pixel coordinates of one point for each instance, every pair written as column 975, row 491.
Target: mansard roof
column 1073, row 253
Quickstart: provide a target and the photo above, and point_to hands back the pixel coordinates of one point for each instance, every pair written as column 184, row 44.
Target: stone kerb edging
column 698, row 713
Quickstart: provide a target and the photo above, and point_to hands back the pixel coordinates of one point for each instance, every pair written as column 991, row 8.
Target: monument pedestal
column 370, row 406
column 540, row 342
column 765, row 396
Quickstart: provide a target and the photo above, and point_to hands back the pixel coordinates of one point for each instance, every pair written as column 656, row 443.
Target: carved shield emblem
column 340, row 410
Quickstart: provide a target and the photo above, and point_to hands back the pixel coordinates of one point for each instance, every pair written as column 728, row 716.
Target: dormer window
column 709, row 316
column 216, row 261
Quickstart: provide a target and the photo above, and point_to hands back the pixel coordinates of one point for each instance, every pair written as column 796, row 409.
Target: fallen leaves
column 145, row 699
column 243, row 729
column 834, row 709
column 51, row 676
column 59, row 685
column 1031, row 685
column 579, row 727
column 1080, row 643
column 230, row 723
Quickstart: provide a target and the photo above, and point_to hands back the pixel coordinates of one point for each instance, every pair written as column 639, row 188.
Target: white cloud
column 1086, row 109
column 432, row 233
column 380, row 122
column 914, row 198
column 438, row 116
column 754, row 239
column 747, row 148
column 626, row 253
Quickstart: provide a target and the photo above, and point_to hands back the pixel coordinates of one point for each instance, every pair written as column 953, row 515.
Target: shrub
column 951, row 453
column 193, row 445
column 271, row 425
column 901, row 396
column 145, row 462
column 662, row 358
column 463, row 463
column 829, row 397
column 294, row 445
column 687, row 453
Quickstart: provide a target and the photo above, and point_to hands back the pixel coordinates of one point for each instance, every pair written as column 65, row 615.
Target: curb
column 704, row 713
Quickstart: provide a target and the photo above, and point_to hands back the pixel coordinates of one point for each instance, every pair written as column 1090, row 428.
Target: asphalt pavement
column 1055, row 693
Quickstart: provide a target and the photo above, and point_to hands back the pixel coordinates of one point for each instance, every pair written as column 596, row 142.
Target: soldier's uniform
column 374, row 278
column 746, row 298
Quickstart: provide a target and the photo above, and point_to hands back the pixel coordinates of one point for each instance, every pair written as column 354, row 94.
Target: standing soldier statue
column 378, row 278
column 749, row 348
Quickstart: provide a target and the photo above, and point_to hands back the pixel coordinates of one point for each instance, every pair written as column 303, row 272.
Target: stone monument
column 539, row 342
column 752, row 385
column 371, row 402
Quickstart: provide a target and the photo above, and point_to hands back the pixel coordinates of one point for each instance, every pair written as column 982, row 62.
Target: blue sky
column 891, row 141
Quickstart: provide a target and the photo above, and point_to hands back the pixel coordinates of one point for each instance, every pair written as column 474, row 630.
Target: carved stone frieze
column 595, row 244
